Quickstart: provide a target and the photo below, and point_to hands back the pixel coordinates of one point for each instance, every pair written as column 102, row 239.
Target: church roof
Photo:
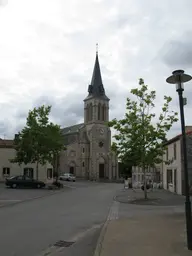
column 72, row 129
column 96, row 88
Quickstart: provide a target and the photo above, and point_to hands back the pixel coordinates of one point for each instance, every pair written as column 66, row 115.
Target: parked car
column 23, row 181
column 67, row 177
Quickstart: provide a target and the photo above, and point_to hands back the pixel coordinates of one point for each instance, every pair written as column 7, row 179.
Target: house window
column 83, row 150
column 6, row 171
column 28, row 172
column 169, row 176
column 167, row 154
column 49, row 173
column 175, row 151
column 83, row 164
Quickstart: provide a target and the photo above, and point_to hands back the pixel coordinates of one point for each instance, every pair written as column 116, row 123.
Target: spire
column 96, row 88
column 96, row 80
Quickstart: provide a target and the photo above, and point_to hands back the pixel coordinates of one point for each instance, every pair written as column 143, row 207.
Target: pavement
column 145, row 229
column 10, row 196
column 90, row 218
column 65, row 223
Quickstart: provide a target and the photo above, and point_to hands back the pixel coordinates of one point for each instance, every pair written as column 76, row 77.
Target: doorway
column 101, row 171
column 71, row 169
column 175, row 180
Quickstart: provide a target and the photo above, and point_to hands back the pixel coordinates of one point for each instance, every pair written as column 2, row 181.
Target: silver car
column 67, row 177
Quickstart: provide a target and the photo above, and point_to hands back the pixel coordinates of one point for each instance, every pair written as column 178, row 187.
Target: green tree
column 40, row 141
column 140, row 135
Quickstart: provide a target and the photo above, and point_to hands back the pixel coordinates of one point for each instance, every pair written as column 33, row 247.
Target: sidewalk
column 146, row 236
column 145, row 228
column 156, row 197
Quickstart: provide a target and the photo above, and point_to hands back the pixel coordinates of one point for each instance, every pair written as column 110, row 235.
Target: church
column 88, row 152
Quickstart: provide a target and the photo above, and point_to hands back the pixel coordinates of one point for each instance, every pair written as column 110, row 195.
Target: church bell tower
column 96, row 117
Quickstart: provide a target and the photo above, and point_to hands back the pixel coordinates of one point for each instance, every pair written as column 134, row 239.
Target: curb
column 98, row 248
column 100, row 239
column 32, row 198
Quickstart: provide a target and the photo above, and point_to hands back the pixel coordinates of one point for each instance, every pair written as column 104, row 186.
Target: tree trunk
column 145, row 183
column 37, row 170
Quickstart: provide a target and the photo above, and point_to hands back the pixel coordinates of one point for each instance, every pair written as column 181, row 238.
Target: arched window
column 103, row 112
column 87, row 113
column 90, row 112
column 99, row 111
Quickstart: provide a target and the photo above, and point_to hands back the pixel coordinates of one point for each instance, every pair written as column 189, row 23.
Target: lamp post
column 178, row 77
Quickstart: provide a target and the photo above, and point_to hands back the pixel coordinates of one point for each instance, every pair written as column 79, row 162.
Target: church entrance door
column 101, row 171
column 71, row 170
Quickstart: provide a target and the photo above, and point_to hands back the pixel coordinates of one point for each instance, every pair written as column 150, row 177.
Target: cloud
column 47, row 52
column 3, row 2
column 178, row 52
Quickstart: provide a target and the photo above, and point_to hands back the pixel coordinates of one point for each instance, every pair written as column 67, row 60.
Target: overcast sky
column 47, row 53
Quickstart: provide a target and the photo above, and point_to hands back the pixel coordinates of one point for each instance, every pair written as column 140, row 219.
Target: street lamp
column 178, row 77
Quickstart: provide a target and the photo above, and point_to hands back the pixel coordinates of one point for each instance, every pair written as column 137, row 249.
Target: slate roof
column 177, row 138
column 96, row 88
column 72, row 129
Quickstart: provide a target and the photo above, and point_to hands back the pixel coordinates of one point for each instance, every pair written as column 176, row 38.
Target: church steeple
column 96, row 88
column 96, row 104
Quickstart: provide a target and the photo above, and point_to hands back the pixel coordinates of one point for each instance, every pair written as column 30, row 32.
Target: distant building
column 173, row 171
column 152, row 174
column 7, row 169
column 88, row 145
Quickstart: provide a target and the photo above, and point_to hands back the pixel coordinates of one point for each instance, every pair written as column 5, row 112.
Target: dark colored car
column 23, row 182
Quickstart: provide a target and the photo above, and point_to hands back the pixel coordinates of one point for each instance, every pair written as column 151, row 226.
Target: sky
column 47, row 54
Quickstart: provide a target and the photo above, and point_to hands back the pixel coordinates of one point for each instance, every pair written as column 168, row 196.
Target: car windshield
column 13, row 177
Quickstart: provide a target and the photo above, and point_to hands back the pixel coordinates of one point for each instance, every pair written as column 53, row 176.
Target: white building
column 173, row 171
column 154, row 174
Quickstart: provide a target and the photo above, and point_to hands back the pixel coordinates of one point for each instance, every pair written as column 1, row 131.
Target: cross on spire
column 97, row 48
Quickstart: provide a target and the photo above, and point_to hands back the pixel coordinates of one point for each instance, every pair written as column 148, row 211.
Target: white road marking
column 9, row 200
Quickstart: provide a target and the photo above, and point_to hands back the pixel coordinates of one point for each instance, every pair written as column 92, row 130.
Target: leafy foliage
column 40, row 141
column 139, row 140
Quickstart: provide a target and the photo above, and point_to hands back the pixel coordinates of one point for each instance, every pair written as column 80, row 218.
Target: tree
column 40, row 141
column 140, row 136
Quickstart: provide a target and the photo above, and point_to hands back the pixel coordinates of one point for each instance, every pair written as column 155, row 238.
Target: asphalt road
column 75, row 215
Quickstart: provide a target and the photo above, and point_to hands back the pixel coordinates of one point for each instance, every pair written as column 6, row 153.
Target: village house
column 8, row 169
column 173, row 171
column 153, row 174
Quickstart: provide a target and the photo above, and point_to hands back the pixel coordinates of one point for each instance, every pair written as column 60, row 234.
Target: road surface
column 76, row 215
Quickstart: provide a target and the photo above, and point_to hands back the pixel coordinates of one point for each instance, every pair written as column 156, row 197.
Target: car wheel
column 14, row 185
column 38, row 186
